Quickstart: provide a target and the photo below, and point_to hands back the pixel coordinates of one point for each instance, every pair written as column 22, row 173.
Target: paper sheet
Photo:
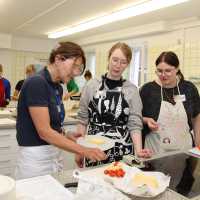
column 124, row 184
column 42, row 188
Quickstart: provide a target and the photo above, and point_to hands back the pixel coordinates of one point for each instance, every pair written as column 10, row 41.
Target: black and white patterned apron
column 108, row 116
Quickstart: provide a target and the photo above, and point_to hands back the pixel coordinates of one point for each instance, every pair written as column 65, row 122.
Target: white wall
column 5, row 40
column 180, row 36
column 32, row 44
column 17, row 52
column 6, row 59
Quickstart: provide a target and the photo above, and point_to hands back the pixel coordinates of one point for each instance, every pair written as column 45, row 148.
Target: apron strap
column 161, row 91
column 178, row 87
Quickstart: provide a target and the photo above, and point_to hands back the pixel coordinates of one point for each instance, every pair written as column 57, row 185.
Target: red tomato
column 120, row 173
column 112, row 173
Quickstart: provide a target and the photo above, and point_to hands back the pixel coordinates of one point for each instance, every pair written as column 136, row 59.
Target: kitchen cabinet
column 8, row 148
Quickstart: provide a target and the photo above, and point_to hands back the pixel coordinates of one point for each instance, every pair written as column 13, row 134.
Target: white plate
column 89, row 141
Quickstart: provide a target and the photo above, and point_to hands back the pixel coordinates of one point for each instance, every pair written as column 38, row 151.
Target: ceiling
column 36, row 18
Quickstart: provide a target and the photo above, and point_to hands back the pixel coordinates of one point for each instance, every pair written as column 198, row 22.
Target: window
column 91, row 62
column 90, row 65
column 138, row 67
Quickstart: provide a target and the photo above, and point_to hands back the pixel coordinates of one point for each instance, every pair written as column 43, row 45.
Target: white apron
column 173, row 134
column 37, row 161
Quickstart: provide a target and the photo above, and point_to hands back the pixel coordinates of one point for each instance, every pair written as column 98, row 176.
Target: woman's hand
column 151, row 123
column 79, row 160
column 144, row 153
column 66, row 96
column 94, row 154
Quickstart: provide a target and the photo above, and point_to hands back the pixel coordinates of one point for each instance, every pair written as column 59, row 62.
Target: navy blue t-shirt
column 38, row 90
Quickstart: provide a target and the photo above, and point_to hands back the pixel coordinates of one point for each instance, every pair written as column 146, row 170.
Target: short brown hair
column 88, row 74
column 124, row 48
column 67, row 50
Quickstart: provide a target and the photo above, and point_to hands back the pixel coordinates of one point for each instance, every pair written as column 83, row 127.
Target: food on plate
column 198, row 147
column 143, row 179
column 115, row 170
column 97, row 141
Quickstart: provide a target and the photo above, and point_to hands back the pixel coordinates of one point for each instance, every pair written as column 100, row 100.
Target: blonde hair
column 30, row 69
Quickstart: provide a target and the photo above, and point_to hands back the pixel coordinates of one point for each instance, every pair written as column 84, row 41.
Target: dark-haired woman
column 40, row 115
column 171, row 109
column 88, row 75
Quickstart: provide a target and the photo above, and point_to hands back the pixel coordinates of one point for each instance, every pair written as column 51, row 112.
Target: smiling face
column 167, row 74
column 117, row 64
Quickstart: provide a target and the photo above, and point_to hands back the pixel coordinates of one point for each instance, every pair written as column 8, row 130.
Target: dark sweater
column 151, row 99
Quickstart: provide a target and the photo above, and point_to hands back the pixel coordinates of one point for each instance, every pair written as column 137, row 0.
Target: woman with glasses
column 171, row 110
column 110, row 106
column 40, row 115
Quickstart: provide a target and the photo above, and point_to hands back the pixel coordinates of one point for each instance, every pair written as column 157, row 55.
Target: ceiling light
column 138, row 9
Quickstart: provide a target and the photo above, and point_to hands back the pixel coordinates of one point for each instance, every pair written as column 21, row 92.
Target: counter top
column 66, row 177
column 7, row 123
column 10, row 123
column 7, row 112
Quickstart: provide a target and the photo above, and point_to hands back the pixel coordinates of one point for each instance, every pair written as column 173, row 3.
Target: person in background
column 30, row 70
column 171, row 110
column 40, row 115
column 111, row 106
column 87, row 75
column 72, row 89
column 5, row 89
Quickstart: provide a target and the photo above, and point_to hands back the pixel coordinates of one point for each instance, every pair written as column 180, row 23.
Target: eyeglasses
column 115, row 61
column 81, row 67
column 167, row 72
